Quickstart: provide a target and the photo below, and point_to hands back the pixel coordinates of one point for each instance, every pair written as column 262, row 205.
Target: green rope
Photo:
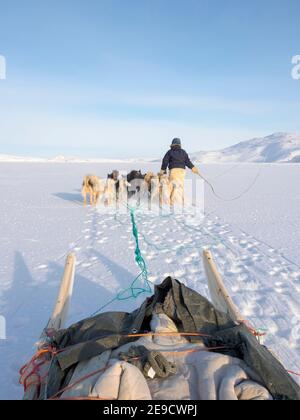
column 140, row 284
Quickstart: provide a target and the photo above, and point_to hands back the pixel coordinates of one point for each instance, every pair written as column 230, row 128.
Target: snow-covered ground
column 255, row 241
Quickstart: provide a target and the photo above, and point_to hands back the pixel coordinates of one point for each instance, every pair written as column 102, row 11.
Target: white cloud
column 20, row 96
column 52, row 120
column 112, row 137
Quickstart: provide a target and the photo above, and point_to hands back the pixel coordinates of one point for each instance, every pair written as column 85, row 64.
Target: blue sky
column 121, row 78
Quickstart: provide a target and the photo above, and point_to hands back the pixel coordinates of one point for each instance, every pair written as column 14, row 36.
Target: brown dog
column 153, row 184
column 93, row 186
column 148, row 178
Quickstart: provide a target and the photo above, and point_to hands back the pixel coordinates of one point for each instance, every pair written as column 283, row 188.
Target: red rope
column 293, row 373
column 258, row 334
column 67, row 388
column 253, row 330
column 33, row 368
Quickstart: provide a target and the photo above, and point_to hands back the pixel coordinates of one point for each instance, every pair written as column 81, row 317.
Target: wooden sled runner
column 61, row 309
column 40, row 364
column 220, row 297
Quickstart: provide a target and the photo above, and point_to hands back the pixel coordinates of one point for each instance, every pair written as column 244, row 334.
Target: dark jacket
column 176, row 158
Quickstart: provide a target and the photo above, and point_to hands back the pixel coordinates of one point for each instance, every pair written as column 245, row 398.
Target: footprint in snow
column 246, row 260
column 223, row 232
column 193, row 270
column 42, row 267
column 86, row 265
column 251, row 286
column 243, row 277
column 295, row 275
column 256, row 254
column 102, row 241
column 275, row 271
column 194, row 255
column 179, row 273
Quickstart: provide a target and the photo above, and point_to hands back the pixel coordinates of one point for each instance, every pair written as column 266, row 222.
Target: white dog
column 110, row 192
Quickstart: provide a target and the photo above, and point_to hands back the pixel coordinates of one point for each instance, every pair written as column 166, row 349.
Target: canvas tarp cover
column 191, row 313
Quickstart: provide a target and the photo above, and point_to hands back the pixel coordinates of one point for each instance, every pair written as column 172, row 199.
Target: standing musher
column 176, row 160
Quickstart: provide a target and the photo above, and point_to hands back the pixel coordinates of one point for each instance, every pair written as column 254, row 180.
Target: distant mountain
column 278, row 147
column 11, row 158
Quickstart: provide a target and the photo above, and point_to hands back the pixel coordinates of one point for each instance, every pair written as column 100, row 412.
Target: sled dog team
column 117, row 188
column 165, row 189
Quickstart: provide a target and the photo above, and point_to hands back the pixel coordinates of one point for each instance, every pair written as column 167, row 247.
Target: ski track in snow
column 263, row 281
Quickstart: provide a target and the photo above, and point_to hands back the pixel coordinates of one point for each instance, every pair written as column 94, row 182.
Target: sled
column 221, row 320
